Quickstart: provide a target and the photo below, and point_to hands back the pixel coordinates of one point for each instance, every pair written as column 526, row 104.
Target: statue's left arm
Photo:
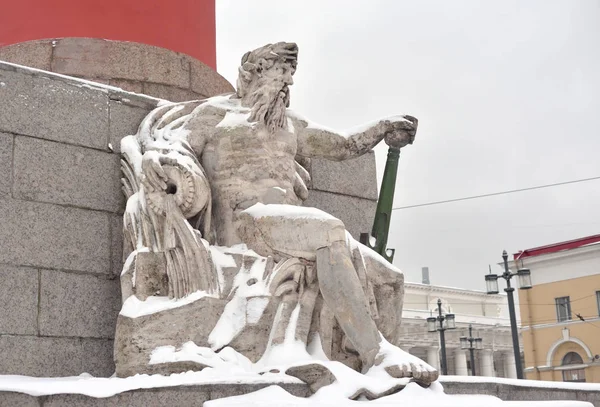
column 319, row 142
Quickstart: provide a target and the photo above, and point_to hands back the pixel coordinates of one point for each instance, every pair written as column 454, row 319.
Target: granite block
column 6, row 159
column 356, row 213
column 52, row 236
column 91, row 57
column 205, row 81
column 356, row 177
column 9, row 399
column 34, row 54
column 78, row 305
column 124, row 121
column 127, row 85
column 18, row 300
column 37, row 106
column 116, row 249
column 47, row 171
column 41, row 357
column 170, row 93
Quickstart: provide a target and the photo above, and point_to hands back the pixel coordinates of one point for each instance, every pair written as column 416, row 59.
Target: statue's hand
column 400, row 130
column 153, row 176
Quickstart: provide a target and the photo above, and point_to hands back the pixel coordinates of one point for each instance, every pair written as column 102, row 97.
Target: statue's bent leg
column 344, row 295
column 285, row 231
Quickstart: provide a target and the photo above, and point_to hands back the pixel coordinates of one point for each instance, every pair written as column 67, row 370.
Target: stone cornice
column 583, row 251
column 454, row 290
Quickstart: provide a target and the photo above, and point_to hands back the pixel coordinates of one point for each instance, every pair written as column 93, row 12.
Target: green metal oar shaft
column 381, row 224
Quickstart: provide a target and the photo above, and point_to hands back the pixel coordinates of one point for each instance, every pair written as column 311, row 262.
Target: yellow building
column 560, row 314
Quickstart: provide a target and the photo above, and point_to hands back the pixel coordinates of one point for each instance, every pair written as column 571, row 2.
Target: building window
column 598, row 301
column 563, row 309
column 573, row 375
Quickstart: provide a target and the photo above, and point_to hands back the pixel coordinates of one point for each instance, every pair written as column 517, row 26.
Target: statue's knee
column 336, row 232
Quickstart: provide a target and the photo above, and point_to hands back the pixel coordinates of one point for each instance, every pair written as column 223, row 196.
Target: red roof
column 556, row 247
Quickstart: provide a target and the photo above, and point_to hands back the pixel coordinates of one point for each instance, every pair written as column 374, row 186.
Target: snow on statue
column 225, row 265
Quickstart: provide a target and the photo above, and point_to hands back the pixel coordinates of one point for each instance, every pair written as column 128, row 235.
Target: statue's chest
column 253, row 141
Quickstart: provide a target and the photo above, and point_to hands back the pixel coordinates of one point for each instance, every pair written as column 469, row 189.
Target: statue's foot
column 400, row 364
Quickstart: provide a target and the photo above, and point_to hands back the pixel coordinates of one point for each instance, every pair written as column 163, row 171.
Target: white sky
column 507, row 94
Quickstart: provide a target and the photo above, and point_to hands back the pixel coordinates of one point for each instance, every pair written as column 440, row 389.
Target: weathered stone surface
column 205, row 82
column 253, row 339
column 18, row 300
column 36, row 106
column 177, row 396
column 524, row 393
column 266, row 230
column 116, row 244
column 356, row 213
column 78, row 305
column 223, row 390
column 18, row 400
column 52, row 236
column 49, row 357
column 46, row 171
column 136, row 338
column 363, row 393
column 356, row 177
column 124, row 120
column 98, row 357
column 314, row 374
column 6, row 154
column 150, row 275
column 97, row 58
column 128, row 85
column 196, row 395
column 508, row 392
column 193, row 396
column 170, row 93
column 35, row 54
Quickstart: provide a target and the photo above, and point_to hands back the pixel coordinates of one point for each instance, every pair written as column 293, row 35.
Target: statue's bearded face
column 270, row 95
column 263, row 84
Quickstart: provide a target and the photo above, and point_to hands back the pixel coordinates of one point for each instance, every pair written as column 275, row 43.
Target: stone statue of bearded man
column 248, row 147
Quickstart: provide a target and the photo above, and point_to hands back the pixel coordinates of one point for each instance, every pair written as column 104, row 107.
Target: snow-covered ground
column 524, row 383
column 413, row 395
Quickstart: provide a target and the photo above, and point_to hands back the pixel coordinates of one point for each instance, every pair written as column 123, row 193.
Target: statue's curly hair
column 254, row 62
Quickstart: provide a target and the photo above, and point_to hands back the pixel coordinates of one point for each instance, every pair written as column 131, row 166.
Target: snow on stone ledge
column 259, row 210
column 229, row 371
column 523, row 383
column 134, row 308
column 82, row 83
column 107, row 387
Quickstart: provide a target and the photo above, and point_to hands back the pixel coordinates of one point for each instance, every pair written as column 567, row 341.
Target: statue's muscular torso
column 244, row 164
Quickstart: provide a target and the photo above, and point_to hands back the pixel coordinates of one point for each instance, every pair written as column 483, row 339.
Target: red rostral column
column 186, row 26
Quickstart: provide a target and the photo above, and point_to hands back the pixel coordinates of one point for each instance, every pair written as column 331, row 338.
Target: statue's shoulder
column 220, row 105
column 297, row 119
column 209, row 112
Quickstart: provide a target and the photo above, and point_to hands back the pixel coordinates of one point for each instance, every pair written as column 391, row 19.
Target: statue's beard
column 269, row 103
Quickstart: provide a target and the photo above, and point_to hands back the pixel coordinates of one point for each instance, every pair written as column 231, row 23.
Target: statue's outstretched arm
column 317, row 141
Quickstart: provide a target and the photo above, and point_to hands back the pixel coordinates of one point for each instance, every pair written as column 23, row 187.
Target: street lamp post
column 450, row 323
column 472, row 344
column 491, row 281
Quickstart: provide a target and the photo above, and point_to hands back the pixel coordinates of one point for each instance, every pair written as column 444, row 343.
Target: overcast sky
column 507, row 94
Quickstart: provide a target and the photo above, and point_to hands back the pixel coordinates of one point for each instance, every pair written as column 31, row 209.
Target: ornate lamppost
column 491, row 281
column 472, row 344
column 450, row 323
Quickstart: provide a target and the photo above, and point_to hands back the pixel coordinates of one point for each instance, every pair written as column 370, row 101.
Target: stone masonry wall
column 60, row 221
column 132, row 66
column 60, row 217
